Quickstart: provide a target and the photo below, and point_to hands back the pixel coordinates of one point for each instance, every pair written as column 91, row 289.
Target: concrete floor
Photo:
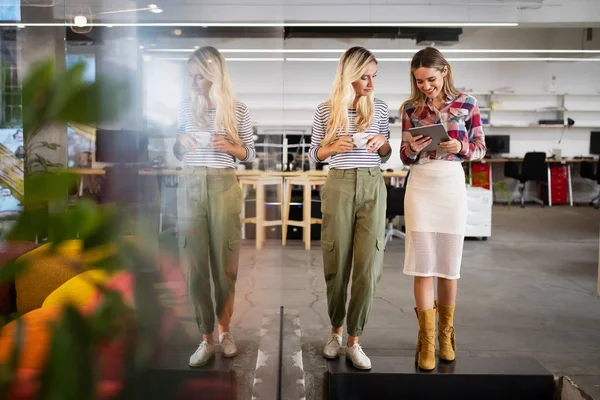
column 530, row 290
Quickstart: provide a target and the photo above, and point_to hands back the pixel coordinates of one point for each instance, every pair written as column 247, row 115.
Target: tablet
column 437, row 133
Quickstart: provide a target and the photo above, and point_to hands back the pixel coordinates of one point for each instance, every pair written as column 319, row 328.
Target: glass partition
column 219, row 203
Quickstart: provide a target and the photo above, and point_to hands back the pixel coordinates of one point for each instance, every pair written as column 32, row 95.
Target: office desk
column 174, row 172
column 550, row 161
column 159, row 173
column 100, row 171
column 564, row 161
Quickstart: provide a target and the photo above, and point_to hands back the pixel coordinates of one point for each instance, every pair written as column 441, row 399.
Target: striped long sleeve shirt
column 357, row 158
column 205, row 156
column 462, row 120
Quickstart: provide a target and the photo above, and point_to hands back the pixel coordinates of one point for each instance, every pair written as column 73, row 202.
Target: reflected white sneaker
column 202, row 355
column 358, row 357
column 333, row 346
column 228, row 347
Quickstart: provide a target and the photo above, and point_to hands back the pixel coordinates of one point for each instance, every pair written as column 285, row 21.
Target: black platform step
column 171, row 377
column 465, row 378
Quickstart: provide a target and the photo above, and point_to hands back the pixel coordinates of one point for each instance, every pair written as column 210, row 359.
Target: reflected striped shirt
column 205, row 156
column 357, row 158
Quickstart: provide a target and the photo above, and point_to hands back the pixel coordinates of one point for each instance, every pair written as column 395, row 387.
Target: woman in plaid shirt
column 436, row 197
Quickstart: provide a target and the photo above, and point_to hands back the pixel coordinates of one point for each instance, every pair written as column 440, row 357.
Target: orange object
column 37, row 336
column 480, row 175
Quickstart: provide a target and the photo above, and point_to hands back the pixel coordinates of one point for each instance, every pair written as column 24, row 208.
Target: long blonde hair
column 351, row 67
column 429, row 57
column 213, row 67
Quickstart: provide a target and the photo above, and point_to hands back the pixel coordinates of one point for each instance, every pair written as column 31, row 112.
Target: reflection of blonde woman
column 213, row 130
column 352, row 130
column 436, row 198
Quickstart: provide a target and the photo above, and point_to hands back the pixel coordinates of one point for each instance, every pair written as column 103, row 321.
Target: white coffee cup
column 557, row 153
column 360, row 140
column 202, row 138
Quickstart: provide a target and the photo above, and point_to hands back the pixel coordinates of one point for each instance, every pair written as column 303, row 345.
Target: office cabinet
column 481, row 175
column 559, row 175
column 479, row 212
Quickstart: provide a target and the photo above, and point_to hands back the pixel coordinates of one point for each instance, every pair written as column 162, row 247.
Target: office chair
column 587, row 172
column 534, row 168
column 395, row 208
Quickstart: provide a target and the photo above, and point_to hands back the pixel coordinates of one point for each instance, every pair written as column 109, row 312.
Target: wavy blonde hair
column 429, row 57
column 351, row 67
column 213, row 67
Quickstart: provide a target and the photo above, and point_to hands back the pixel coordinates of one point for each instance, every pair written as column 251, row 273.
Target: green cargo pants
column 353, row 206
column 209, row 207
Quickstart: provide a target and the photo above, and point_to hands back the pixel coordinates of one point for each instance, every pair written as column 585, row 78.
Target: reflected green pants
column 353, row 207
column 209, row 207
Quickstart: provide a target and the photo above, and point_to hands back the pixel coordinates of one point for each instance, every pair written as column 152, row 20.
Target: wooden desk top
column 99, row 171
column 550, row 161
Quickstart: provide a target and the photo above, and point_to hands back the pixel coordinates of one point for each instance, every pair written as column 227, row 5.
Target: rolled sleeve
column 406, row 154
column 475, row 148
column 246, row 134
column 384, row 129
column 318, row 133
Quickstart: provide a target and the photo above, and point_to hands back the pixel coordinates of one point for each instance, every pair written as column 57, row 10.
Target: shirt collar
column 449, row 100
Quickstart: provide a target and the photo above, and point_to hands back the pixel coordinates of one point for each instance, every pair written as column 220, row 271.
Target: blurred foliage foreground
column 98, row 353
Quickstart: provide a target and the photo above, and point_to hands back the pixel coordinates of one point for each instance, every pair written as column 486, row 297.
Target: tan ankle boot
column 425, row 354
column 446, row 332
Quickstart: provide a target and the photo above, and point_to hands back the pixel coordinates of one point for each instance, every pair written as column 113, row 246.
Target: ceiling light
column 151, row 6
column 177, row 32
column 403, row 59
column 141, row 47
column 156, row 10
column 80, row 20
column 473, row 59
column 21, row 26
column 562, row 59
column 234, row 59
column 387, row 51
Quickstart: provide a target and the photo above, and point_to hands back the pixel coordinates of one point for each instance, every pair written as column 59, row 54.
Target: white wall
column 286, row 93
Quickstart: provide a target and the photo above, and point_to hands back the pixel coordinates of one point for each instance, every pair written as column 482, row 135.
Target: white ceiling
column 563, row 13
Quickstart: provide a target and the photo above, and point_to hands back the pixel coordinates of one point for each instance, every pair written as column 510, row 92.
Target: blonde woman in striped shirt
column 351, row 129
column 213, row 130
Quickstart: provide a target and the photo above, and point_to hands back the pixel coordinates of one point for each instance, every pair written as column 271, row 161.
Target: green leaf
column 51, row 146
column 109, row 264
column 31, row 223
column 56, row 165
column 36, row 88
column 106, row 320
column 69, row 373
column 100, row 101
column 108, row 225
column 64, row 87
column 12, row 269
column 48, row 186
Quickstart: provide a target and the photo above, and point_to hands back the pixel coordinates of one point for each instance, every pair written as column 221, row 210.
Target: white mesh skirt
column 435, row 213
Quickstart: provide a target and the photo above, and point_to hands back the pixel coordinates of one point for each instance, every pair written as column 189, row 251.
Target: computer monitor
column 595, row 142
column 497, row 144
column 121, row 146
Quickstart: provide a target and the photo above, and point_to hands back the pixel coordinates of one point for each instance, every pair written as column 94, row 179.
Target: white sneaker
column 333, row 346
column 228, row 347
column 202, row 355
column 358, row 357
